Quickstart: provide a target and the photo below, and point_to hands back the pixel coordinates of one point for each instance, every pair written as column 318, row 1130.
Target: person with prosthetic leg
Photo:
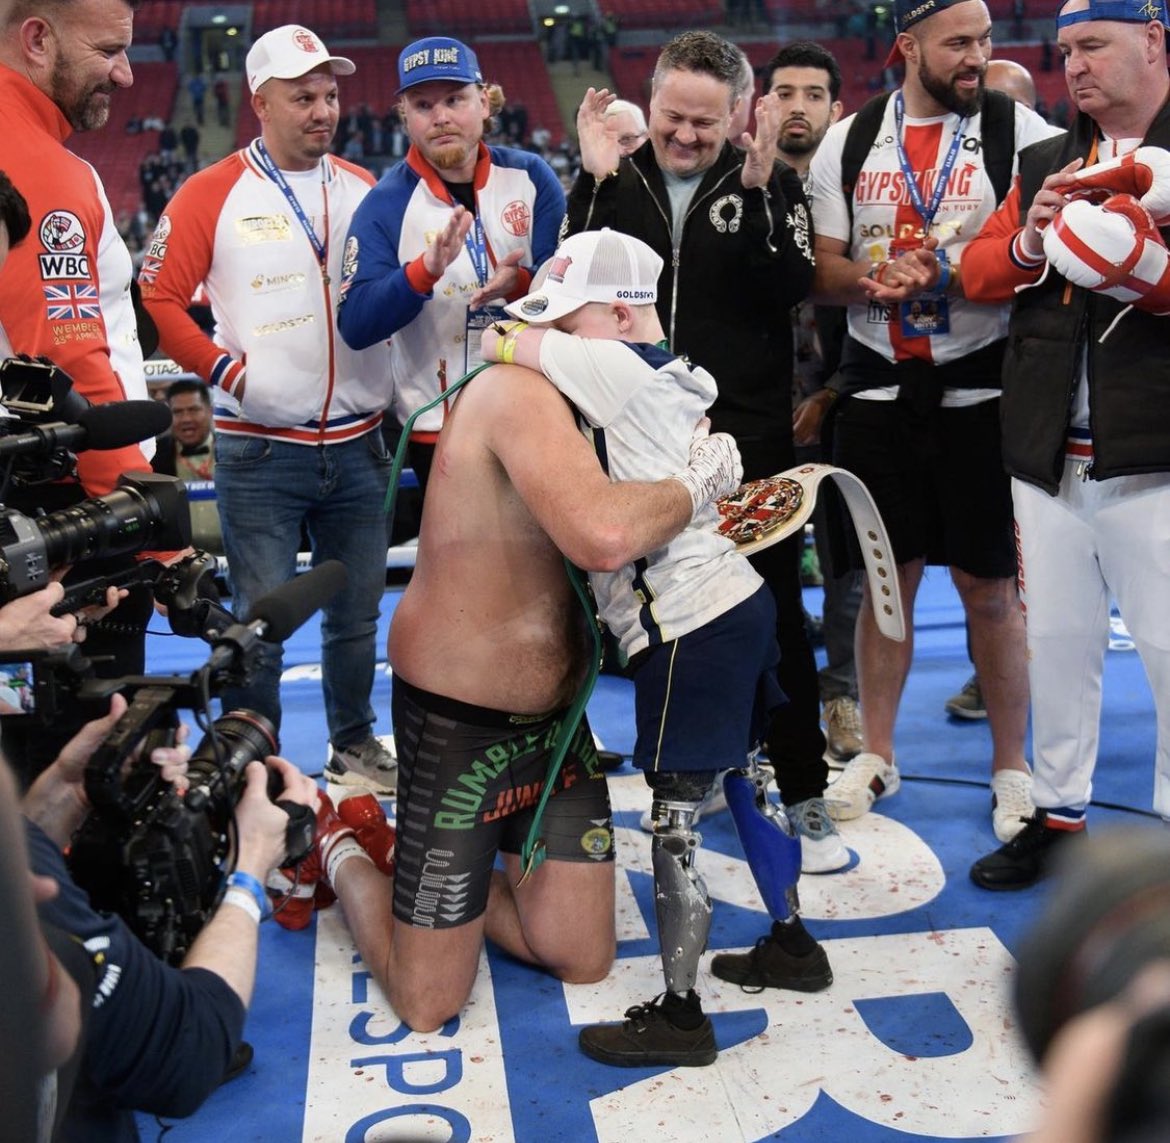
column 693, row 620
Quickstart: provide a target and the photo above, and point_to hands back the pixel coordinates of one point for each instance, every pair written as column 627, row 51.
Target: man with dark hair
column 714, row 213
column 921, row 422
column 13, row 215
column 187, row 450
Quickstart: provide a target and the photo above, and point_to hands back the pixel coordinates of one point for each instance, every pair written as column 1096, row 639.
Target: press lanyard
column 477, row 249
column 944, row 175
column 274, row 173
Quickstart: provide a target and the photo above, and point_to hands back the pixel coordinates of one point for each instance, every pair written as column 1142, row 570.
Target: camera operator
column 158, row 1038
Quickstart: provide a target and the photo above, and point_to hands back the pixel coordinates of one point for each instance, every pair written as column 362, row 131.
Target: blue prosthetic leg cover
column 771, row 847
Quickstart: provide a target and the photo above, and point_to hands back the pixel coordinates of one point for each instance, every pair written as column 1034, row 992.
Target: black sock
column 793, row 937
column 683, row 1012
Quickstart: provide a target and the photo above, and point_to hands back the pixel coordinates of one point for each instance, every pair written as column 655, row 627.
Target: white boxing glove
column 1144, row 173
column 715, row 469
column 1112, row 248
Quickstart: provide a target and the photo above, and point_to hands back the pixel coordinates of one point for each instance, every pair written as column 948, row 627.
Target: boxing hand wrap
column 1144, row 173
column 1114, row 249
column 715, row 469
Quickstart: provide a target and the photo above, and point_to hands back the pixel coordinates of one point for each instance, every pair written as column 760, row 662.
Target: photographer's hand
column 1084, row 1061
column 57, row 801
column 228, row 943
column 27, row 623
column 260, row 823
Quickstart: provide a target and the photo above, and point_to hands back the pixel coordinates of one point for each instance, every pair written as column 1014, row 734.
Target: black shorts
column 939, row 482
column 469, row 781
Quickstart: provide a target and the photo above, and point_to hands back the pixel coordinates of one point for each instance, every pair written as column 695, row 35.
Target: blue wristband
column 944, row 272
column 249, row 884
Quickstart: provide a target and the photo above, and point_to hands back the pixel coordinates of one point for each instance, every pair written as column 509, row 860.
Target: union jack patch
column 151, row 267
column 72, row 303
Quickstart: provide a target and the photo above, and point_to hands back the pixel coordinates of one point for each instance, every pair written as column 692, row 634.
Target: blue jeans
column 266, row 490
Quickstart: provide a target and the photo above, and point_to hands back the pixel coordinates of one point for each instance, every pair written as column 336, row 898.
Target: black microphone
column 275, row 617
column 113, row 425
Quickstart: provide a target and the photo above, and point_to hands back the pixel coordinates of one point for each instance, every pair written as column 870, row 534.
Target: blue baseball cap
column 437, row 57
column 1127, row 11
column 907, row 13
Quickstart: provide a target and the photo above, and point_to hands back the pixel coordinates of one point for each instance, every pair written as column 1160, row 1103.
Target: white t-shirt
column 883, row 211
column 640, row 405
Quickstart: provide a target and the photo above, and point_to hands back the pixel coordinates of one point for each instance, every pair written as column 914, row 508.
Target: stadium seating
column 672, row 14
column 332, row 20
column 468, row 17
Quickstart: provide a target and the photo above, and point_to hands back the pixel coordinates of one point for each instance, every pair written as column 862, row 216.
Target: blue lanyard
column 275, row 174
column 944, row 175
column 477, row 249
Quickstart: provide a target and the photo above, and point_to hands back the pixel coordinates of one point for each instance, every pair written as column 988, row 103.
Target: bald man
column 1013, row 79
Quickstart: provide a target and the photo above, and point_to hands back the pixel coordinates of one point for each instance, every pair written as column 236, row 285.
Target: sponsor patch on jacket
column 517, row 218
column 72, row 302
column 263, row 228
column 63, row 237
column 273, row 283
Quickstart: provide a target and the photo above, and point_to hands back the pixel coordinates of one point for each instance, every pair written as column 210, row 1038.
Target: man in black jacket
column 1086, row 404
column 732, row 228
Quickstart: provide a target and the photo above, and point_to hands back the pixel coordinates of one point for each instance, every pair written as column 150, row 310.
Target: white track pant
column 1094, row 540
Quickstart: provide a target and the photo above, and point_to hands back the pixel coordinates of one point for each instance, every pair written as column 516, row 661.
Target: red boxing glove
column 1114, row 249
column 1144, row 173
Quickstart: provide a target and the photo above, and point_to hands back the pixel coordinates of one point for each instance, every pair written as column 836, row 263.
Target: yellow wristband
column 508, row 345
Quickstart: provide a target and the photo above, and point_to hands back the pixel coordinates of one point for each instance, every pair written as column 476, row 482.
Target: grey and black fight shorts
column 469, row 781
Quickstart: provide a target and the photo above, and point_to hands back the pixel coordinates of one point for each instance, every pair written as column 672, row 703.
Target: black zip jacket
column 744, row 259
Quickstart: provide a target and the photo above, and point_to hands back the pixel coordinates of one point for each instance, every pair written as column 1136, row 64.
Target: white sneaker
column 867, row 778
column 713, row 801
column 1011, row 802
column 821, row 847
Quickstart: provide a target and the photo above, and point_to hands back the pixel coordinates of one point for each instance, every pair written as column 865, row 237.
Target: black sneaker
column 1024, row 859
column 650, row 1037
column 787, row 957
column 240, row 1062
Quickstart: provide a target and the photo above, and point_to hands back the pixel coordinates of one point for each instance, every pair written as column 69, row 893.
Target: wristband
column 875, row 271
column 944, row 276
column 508, row 345
column 242, row 900
column 246, row 883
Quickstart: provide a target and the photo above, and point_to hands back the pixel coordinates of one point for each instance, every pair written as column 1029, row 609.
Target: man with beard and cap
column 1086, row 405
column 451, row 233
column 921, row 366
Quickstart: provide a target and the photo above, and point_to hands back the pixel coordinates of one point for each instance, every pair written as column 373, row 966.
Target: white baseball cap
column 288, row 52
column 593, row 266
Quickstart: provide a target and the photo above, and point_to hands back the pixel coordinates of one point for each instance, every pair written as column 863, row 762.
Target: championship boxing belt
column 774, row 508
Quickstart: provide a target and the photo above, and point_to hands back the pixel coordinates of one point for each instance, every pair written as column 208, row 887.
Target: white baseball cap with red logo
column 288, row 52
column 593, row 266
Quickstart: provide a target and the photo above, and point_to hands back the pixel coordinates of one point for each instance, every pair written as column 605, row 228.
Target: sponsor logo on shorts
column 598, row 841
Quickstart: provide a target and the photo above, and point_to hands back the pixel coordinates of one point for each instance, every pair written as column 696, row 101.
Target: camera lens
column 144, row 512
column 244, row 736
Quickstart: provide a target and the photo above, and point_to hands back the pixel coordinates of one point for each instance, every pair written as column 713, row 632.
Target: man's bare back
column 489, row 616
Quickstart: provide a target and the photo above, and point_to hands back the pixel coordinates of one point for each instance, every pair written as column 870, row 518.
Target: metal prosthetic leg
column 681, row 902
column 769, row 843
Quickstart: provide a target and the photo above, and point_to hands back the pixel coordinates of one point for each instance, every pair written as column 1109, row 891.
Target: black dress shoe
column 1024, row 859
